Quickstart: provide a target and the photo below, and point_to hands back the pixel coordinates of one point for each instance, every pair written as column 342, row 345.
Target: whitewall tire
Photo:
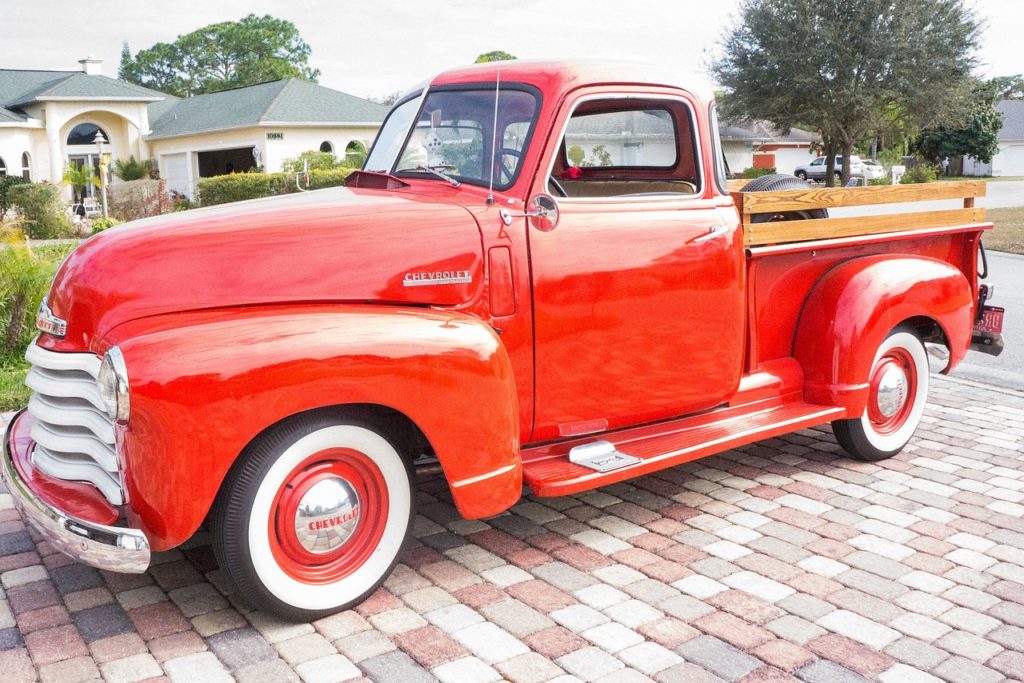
column 314, row 515
column 897, row 393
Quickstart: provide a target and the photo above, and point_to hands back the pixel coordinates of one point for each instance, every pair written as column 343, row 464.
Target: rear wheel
column 313, row 517
column 897, row 391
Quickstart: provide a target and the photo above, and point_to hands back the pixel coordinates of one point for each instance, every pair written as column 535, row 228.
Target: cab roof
column 560, row 77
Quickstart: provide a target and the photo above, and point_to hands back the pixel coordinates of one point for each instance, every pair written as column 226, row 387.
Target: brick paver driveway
column 776, row 561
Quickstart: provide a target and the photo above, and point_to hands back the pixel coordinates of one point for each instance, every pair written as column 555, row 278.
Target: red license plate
column 991, row 320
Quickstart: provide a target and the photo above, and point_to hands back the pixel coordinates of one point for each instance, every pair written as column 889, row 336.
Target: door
column 176, row 173
column 639, row 290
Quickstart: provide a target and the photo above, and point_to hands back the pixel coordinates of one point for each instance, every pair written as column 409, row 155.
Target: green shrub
column 241, row 186
column 318, row 179
column 6, row 183
column 750, row 173
column 919, row 173
column 132, row 169
column 100, row 224
column 237, row 187
column 42, row 209
column 317, row 160
column 887, row 180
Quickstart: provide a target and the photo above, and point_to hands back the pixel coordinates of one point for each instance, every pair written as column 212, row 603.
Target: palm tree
column 79, row 176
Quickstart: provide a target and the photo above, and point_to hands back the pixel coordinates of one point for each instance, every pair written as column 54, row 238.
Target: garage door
column 176, row 173
column 1009, row 161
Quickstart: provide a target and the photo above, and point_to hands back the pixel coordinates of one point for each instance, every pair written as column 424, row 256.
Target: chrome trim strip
column 111, row 548
column 51, row 438
column 48, row 409
column 64, row 387
column 85, row 362
column 59, row 467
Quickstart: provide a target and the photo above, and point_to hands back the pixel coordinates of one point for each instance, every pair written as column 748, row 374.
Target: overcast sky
column 374, row 48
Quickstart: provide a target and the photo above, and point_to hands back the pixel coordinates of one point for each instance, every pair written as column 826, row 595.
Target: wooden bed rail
column 778, row 232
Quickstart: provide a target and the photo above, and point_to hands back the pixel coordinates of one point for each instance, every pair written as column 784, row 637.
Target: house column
column 144, row 131
column 54, row 144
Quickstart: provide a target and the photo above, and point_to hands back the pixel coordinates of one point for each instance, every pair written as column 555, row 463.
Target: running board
column 548, row 470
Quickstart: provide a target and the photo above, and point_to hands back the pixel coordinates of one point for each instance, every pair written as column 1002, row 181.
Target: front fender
column 855, row 305
column 203, row 385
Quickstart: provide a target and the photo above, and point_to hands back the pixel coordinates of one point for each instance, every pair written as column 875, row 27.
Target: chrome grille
column 74, row 436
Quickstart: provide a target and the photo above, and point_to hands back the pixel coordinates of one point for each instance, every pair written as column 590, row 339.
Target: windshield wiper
column 443, row 176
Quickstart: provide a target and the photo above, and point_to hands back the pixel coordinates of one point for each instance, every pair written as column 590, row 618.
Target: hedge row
column 241, row 186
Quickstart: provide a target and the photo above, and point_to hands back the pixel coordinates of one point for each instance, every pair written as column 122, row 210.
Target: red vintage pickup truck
column 539, row 277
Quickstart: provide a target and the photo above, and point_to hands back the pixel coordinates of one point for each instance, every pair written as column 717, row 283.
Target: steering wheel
column 505, row 173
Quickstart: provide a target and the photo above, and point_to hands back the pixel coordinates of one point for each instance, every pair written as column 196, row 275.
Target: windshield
column 392, row 135
column 454, row 131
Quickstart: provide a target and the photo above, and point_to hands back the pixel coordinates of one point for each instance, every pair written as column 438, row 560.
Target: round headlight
column 112, row 382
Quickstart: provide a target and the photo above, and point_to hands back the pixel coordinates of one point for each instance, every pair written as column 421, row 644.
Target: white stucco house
column 49, row 120
column 758, row 144
column 1009, row 160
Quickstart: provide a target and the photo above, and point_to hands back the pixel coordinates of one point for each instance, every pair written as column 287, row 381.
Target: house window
column 355, row 153
column 85, row 134
column 26, row 166
column 327, row 147
column 3, row 168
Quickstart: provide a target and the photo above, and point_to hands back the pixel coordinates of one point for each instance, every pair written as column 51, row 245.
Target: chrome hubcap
column 892, row 391
column 327, row 515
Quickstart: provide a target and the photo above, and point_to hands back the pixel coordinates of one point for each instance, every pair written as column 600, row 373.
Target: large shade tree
column 838, row 67
column 978, row 134
column 223, row 55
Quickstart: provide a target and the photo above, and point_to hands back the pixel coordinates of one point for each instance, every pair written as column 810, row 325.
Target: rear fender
column 204, row 385
column 855, row 305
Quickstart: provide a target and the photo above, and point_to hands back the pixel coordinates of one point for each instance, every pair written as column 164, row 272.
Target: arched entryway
column 84, row 152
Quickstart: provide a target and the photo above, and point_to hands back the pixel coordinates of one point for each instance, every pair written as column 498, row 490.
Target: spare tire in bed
column 775, row 182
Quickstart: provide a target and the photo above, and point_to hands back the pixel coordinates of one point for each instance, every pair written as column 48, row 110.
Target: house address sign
column 275, row 136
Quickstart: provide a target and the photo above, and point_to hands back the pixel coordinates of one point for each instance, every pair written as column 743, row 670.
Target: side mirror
column 543, row 213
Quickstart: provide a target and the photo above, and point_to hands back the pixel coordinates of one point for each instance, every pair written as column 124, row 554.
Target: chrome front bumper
column 116, row 549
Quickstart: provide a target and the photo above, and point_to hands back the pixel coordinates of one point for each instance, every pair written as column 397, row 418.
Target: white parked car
column 873, row 170
column 816, row 169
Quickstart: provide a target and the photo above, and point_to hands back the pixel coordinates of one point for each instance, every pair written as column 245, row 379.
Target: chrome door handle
column 713, row 231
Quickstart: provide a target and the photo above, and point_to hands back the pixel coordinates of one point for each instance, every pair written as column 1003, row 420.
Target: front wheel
column 312, row 518
column 897, row 391
column 801, row 175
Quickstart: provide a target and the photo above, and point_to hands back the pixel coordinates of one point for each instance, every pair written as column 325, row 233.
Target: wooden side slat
column 779, row 232
column 826, row 198
column 736, row 184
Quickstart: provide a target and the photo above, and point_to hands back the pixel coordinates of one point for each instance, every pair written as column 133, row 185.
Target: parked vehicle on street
column 817, row 168
column 540, row 276
column 873, row 170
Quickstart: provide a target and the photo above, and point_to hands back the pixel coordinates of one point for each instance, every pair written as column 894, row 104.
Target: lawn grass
column 1008, row 234
column 987, row 179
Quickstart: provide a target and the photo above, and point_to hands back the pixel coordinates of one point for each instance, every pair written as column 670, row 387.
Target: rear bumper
column 116, row 549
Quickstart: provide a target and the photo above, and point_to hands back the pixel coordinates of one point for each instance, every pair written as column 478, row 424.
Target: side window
column 634, row 147
column 818, row 162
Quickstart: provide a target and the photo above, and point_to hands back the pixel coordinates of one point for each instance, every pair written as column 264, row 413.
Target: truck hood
column 333, row 245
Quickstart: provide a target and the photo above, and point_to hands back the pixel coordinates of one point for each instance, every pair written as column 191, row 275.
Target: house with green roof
column 51, row 119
